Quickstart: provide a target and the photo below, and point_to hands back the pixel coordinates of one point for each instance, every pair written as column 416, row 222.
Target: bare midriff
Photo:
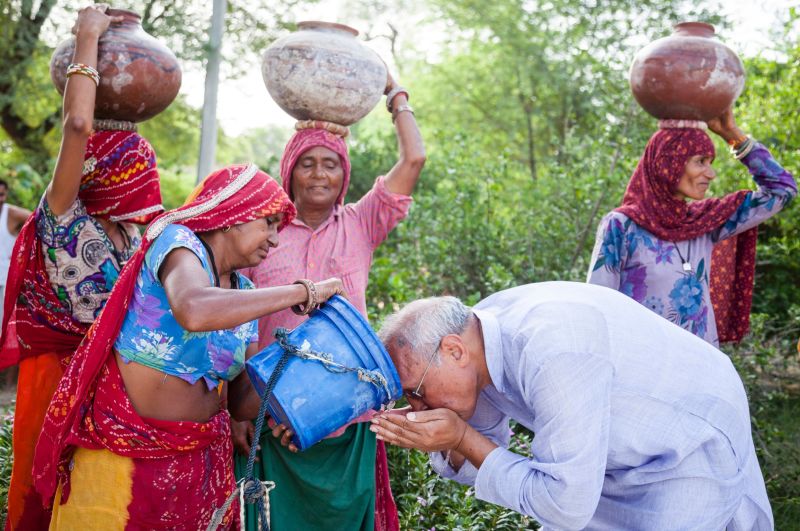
column 162, row 396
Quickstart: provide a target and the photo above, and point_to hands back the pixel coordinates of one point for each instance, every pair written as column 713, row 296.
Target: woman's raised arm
column 403, row 176
column 79, row 97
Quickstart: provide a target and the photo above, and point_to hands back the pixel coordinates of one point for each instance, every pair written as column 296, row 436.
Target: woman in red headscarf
column 137, row 435
column 69, row 253
column 690, row 259
column 341, row 482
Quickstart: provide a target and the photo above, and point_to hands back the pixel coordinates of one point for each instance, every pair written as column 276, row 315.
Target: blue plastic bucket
column 309, row 398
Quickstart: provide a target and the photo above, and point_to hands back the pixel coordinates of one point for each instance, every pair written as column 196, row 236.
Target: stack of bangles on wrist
column 741, row 147
column 312, row 301
column 84, row 70
column 400, row 108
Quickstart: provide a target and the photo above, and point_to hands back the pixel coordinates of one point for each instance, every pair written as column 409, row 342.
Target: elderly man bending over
column 639, row 424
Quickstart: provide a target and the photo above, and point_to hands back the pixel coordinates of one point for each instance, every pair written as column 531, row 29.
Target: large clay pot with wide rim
column 689, row 75
column 139, row 76
column 322, row 72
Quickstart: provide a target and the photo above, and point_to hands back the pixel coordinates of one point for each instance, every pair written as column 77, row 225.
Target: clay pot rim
column 312, row 24
column 693, row 26
column 117, row 12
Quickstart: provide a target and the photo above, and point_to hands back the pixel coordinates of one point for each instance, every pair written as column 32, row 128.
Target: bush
column 769, row 364
column 6, row 460
column 426, row 501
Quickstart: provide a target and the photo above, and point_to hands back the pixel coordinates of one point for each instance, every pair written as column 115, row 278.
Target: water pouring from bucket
column 337, row 370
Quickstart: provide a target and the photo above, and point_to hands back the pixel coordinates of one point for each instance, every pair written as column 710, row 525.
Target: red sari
column 119, row 183
column 90, row 409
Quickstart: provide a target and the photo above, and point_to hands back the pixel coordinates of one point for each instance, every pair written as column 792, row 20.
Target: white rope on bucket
column 304, row 351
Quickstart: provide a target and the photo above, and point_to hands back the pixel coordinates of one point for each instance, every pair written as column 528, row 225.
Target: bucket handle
column 305, row 352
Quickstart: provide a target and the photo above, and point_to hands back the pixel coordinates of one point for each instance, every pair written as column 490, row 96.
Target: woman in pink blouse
column 342, row 482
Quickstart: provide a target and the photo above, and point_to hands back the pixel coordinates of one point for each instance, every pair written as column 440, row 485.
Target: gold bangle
column 312, row 302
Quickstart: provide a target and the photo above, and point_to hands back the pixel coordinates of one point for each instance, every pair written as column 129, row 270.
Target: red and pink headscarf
column 649, row 201
column 120, row 178
column 306, row 139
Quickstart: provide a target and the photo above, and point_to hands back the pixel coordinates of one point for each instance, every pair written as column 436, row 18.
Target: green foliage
column 767, row 360
column 492, row 212
column 175, row 187
column 26, row 184
column 262, row 147
column 426, row 501
column 6, row 459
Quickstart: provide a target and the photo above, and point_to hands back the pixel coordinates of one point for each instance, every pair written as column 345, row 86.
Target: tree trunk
column 527, row 108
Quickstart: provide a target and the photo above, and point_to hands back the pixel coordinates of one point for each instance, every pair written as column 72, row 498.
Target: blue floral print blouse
column 151, row 336
column 630, row 259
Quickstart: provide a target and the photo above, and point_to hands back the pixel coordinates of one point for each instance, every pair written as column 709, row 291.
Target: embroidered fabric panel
column 81, row 261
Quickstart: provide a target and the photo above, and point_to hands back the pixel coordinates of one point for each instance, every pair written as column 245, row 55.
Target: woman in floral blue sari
column 657, row 246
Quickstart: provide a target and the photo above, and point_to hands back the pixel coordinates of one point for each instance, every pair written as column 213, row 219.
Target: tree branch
column 42, row 13
column 26, row 9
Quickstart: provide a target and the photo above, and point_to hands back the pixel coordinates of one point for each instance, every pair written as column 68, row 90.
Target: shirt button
column 311, row 266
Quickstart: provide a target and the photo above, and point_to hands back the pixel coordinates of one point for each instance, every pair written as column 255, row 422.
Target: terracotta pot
column 322, row 72
column 689, row 75
column 139, row 76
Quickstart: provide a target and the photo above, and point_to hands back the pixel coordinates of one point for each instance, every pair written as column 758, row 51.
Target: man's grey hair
column 423, row 323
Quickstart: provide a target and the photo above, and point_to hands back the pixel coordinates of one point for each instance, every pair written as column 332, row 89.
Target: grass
column 6, row 459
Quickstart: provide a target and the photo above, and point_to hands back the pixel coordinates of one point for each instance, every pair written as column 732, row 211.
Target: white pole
column 208, row 133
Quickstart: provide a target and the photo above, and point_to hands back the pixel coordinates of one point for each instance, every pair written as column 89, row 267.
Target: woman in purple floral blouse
column 657, row 246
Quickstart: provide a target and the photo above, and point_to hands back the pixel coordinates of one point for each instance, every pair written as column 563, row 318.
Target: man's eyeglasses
column 415, row 393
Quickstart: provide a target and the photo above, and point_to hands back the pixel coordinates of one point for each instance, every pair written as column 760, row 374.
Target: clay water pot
column 689, row 75
column 322, row 72
column 139, row 76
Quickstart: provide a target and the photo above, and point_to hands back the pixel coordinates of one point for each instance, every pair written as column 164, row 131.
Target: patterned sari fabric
column 162, row 461
column 120, row 183
column 649, row 202
column 88, row 409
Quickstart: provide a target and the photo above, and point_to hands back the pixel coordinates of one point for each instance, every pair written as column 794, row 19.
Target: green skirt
column 329, row 486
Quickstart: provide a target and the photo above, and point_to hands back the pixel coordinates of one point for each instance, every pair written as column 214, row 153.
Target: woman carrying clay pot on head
column 341, row 482
column 657, row 247
column 69, row 253
column 137, row 435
